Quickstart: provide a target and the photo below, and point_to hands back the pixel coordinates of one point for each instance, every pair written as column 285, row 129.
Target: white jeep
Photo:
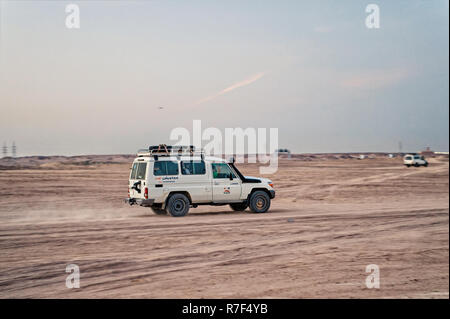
column 171, row 179
column 414, row 160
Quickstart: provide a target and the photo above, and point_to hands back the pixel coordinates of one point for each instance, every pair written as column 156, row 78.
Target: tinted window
column 172, row 168
column 165, row 168
column 193, row 168
column 138, row 171
column 222, row 171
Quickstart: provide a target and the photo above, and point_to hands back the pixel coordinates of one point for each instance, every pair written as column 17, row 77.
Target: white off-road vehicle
column 414, row 160
column 171, row 179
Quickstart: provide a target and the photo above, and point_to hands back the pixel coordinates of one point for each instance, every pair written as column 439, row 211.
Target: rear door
column 137, row 179
column 224, row 188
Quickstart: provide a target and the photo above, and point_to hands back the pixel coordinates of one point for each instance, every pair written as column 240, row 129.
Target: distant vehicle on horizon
column 414, row 160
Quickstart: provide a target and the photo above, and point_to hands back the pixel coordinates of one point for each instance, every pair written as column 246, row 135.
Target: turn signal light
column 146, row 193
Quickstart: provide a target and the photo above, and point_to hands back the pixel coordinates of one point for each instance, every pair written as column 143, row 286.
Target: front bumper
column 139, row 201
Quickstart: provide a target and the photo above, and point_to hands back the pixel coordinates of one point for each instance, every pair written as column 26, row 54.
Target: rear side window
column 408, row 158
column 193, row 168
column 138, row 171
column 165, row 168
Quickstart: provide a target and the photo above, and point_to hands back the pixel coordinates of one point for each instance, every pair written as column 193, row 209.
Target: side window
column 172, row 168
column 165, row 168
column 221, row 170
column 193, row 168
column 159, row 168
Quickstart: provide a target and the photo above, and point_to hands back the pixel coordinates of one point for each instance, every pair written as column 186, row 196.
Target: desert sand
column 332, row 216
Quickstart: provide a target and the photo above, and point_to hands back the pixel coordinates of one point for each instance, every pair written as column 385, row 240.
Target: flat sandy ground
column 331, row 218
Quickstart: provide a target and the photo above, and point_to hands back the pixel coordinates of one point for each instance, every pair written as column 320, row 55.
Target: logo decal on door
column 226, row 190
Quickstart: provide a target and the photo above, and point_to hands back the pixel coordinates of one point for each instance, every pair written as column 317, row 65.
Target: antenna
column 14, row 149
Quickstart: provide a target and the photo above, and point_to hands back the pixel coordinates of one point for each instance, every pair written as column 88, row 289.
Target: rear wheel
column 239, row 207
column 177, row 205
column 416, row 165
column 259, row 202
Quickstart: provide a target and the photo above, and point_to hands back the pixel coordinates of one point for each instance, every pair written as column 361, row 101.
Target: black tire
column 259, row 202
column 158, row 211
column 239, row 207
column 416, row 165
column 426, row 165
column 407, row 165
column 177, row 205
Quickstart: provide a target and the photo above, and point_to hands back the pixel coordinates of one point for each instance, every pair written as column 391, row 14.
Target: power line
column 14, row 149
column 5, row 150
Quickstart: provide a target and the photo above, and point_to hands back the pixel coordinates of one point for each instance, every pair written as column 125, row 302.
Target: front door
column 226, row 185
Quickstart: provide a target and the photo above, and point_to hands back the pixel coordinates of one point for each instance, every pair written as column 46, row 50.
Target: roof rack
column 169, row 150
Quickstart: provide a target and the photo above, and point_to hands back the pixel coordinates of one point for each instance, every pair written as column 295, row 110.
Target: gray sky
column 311, row 68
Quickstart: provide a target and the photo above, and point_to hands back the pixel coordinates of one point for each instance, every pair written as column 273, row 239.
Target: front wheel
column 239, row 207
column 178, row 205
column 259, row 202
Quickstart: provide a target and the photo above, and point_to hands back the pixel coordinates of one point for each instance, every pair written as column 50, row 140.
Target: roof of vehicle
column 180, row 158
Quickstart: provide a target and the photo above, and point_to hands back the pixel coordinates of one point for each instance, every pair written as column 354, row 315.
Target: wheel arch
column 259, row 189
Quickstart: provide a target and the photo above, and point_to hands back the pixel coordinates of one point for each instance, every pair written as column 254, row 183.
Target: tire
column 416, row 165
column 259, row 202
column 426, row 164
column 177, row 205
column 158, row 211
column 407, row 165
column 239, row 207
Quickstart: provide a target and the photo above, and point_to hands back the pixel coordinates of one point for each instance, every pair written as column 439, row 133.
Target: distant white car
column 414, row 160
